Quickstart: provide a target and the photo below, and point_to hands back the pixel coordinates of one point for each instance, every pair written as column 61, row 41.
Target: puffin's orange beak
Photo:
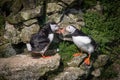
column 61, row 30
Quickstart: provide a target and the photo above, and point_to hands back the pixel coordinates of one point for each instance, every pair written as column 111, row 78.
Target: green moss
column 67, row 50
column 105, row 30
column 88, row 3
column 101, row 29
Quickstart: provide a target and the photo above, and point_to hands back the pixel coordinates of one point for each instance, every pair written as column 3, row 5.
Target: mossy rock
column 7, row 50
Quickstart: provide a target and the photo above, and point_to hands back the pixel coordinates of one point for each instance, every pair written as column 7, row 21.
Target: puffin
column 82, row 41
column 41, row 40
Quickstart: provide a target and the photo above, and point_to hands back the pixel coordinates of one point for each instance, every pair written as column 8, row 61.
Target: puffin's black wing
column 39, row 42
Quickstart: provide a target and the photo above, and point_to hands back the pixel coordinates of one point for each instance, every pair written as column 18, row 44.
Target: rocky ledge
column 25, row 67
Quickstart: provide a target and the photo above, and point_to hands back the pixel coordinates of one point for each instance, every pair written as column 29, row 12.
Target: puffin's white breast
column 29, row 47
column 81, row 39
column 51, row 36
column 83, row 43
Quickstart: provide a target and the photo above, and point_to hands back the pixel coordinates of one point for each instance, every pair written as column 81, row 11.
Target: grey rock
column 11, row 33
column 14, row 35
column 54, row 17
column 71, row 73
column 27, row 32
column 96, row 72
column 97, row 8
column 72, row 19
column 101, row 61
column 74, row 70
column 53, row 10
column 68, row 1
column 7, row 50
column 53, row 7
column 76, row 61
column 28, row 14
column 24, row 15
column 25, row 67
column 30, row 22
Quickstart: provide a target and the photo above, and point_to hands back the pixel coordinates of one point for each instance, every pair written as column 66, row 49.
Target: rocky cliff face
column 23, row 18
column 25, row 67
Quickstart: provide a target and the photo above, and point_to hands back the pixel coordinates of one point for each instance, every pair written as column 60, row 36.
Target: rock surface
column 27, row 32
column 25, row 67
column 71, row 73
column 75, row 70
column 76, row 61
column 7, row 50
column 98, row 65
column 11, row 33
column 101, row 61
column 22, row 33
column 22, row 22
column 24, row 15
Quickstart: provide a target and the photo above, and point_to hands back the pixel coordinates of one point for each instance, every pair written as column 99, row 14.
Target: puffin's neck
column 78, row 33
column 46, row 30
column 49, row 30
column 75, row 33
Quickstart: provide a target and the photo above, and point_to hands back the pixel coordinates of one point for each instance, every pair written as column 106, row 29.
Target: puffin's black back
column 78, row 33
column 40, row 39
column 38, row 42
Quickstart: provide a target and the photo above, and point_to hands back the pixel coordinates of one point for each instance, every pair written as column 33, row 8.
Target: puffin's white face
column 54, row 27
column 70, row 29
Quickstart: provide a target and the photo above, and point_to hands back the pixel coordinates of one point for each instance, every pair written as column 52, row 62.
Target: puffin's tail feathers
column 96, row 46
column 29, row 48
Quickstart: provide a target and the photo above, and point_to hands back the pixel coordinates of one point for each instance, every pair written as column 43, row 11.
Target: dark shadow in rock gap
column 19, row 48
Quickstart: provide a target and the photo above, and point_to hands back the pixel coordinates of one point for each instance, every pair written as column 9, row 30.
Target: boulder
column 6, row 50
column 76, row 61
column 27, row 32
column 101, row 61
column 53, row 7
column 24, row 15
column 16, row 34
column 25, row 67
column 97, row 8
column 99, row 64
column 71, row 73
column 53, row 10
column 96, row 72
column 11, row 33
column 76, row 70
column 54, row 17
column 73, row 19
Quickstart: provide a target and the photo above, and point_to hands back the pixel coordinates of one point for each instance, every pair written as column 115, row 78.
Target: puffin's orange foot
column 87, row 61
column 77, row 54
column 46, row 56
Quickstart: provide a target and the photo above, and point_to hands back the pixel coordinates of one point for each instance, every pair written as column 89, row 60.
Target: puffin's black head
column 71, row 29
column 55, row 27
